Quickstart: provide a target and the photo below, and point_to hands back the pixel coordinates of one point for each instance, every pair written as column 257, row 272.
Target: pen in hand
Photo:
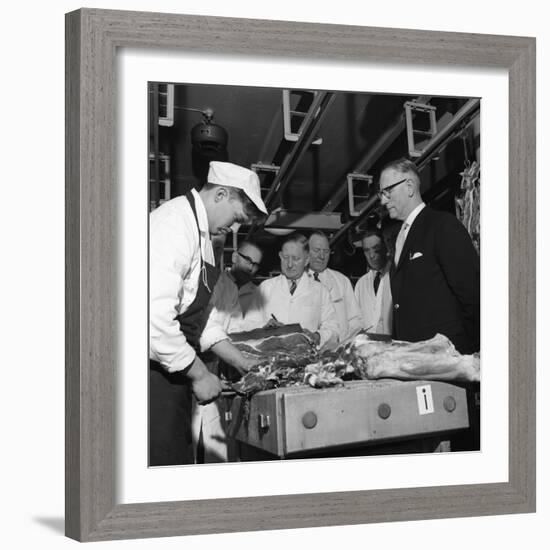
column 273, row 322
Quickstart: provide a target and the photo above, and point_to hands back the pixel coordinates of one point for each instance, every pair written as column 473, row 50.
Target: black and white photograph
column 314, row 273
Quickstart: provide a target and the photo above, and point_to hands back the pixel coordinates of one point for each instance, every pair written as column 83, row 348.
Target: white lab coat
column 174, row 266
column 310, row 306
column 375, row 308
column 343, row 299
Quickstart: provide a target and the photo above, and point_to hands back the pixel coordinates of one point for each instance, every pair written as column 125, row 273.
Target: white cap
column 231, row 175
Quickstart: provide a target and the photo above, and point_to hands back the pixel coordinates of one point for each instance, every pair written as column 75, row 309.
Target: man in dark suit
column 435, row 275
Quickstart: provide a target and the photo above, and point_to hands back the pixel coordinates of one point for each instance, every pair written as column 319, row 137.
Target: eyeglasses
column 249, row 260
column 386, row 192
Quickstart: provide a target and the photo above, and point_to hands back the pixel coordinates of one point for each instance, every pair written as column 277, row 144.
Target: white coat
column 350, row 320
column 310, row 306
column 375, row 308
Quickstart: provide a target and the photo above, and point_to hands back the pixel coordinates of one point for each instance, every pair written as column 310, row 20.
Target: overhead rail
column 451, row 130
column 319, row 107
column 463, row 116
column 373, row 154
column 312, row 122
column 327, row 221
column 261, row 167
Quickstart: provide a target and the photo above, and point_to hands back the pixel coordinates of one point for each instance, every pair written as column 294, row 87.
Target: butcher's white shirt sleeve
column 222, row 309
column 174, row 267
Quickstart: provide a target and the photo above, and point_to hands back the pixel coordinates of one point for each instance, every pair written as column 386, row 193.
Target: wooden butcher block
column 298, row 419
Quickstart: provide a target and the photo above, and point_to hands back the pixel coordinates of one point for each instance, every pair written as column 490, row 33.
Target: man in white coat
column 373, row 291
column 295, row 296
column 339, row 286
column 229, row 302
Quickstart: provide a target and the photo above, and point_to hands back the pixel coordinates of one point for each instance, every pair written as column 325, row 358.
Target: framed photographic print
column 316, row 111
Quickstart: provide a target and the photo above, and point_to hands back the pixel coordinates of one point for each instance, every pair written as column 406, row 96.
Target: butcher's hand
column 247, row 364
column 273, row 322
column 206, row 387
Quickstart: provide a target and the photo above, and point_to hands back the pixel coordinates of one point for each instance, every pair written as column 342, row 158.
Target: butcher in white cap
column 182, row 276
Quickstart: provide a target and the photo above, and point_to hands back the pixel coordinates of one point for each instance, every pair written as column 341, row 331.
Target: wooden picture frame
column 92, row 39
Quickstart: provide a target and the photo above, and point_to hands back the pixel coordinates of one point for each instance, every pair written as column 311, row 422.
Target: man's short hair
column 319, row 233
column 250, row 209
column 402, row 165
column 297, row 238
column 250, row 242
column 372, row 233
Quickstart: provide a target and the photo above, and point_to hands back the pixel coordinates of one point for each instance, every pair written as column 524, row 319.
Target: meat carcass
column 434, row 359
column 292, row 359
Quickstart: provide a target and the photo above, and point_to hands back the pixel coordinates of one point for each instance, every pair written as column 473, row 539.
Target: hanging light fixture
column 208, row 138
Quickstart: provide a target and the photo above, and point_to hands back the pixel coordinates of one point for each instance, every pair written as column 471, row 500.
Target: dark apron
column 170, row 400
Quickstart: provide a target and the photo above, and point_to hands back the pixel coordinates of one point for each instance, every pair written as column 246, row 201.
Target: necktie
column 316, row 275
column 400, row 241
column 293, row 286
column 377, row 278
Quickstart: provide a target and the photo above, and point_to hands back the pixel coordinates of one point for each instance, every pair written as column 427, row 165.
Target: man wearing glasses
column 230, row 301
column 338, row 285
column 435, row 271
column 230, row 298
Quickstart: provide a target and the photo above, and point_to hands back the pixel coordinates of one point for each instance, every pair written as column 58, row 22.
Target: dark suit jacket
column 438, row 290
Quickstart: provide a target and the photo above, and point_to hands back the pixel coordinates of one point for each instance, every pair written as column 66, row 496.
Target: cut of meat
column 281, row 358
column 292, row 359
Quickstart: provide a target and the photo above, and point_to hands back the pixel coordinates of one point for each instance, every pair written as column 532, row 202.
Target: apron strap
column 203, row 269
column 189, row 196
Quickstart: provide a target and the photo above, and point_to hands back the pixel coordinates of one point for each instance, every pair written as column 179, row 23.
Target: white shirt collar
column 288, row 281
column 202, row 217
column 311, row 272
column 412, row 216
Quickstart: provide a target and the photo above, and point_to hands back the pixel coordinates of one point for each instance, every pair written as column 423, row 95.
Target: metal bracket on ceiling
column 163, row 177
column 289, row 115
column 373, row 154
column 320, row 106
column 260, row 167
column 413, row 106
column 465, row 115
column 352, row 178
column 166, row 104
